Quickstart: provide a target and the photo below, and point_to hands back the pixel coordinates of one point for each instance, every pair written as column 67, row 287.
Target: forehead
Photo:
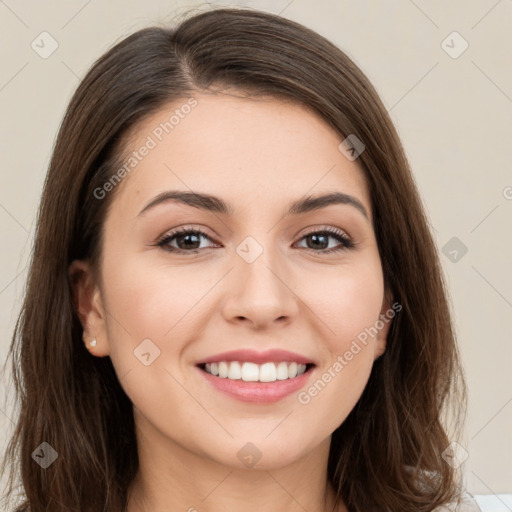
column 259, row 149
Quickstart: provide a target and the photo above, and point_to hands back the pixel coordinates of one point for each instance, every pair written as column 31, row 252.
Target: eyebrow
column 217, row 205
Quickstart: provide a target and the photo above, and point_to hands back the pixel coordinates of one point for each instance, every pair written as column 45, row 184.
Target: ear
column 386, row 316
column 88, row 304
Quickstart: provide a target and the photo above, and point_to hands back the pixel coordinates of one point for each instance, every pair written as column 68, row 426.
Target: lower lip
column 262, row 392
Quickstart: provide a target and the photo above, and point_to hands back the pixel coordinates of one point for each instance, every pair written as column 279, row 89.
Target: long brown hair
column 74, row 401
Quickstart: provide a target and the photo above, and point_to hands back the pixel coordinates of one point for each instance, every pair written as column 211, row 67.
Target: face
column 184, row 281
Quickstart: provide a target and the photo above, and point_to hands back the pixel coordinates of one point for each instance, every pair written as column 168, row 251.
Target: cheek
column 347, row 303
column 152, row 300
column 335, row 389
column 346, row 300
column 150, row 311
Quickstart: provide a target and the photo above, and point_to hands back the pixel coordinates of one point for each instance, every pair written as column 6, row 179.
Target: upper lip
column 267, row 356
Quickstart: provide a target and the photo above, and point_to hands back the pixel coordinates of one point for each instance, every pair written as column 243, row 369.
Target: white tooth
column 235, row 371
column 250, row 372
column 268, row 372
column 223, row 369
column 282, row 371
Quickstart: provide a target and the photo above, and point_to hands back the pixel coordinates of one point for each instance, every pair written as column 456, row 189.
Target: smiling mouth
column 251, row 372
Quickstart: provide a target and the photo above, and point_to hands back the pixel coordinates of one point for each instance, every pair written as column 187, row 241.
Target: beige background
column 453, row 115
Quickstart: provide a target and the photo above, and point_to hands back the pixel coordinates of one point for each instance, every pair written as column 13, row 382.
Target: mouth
column 248, row 371
column 250, row 375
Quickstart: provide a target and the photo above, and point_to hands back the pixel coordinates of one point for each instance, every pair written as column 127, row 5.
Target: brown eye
column 319, row 241
column 187, row 241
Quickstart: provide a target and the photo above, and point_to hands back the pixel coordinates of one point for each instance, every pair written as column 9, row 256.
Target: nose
column 261, row 293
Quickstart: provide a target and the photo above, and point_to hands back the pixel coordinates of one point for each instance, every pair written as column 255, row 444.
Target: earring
column 92, row 343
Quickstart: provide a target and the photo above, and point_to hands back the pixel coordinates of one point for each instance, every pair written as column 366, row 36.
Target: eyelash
column 346, row 243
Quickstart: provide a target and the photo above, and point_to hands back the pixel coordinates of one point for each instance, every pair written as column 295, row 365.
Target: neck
column 171, row 475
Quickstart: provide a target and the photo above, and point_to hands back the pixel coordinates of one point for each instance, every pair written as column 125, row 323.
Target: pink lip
column 267, row 356
column 262, row 392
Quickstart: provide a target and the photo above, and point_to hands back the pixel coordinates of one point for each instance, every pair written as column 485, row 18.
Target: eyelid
column 187, row 227
column 330, row 229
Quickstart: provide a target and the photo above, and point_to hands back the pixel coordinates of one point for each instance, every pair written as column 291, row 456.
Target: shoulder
column 466, row 503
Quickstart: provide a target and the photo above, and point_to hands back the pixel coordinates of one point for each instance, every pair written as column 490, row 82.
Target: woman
column 235, row 301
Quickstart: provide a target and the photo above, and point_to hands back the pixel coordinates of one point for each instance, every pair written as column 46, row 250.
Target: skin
column 258, row 155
